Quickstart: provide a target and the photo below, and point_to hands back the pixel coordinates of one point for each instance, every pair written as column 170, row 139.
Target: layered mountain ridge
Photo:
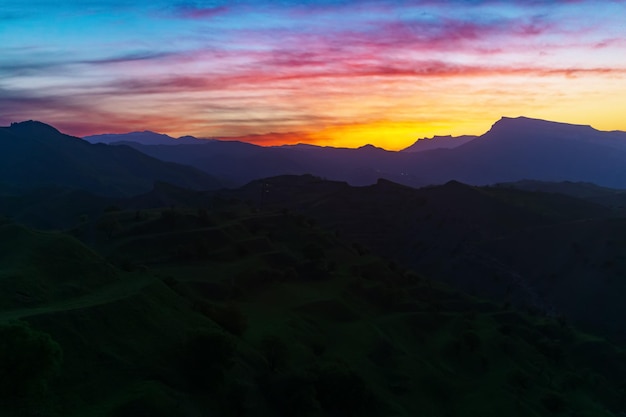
column 33, row 154
column 512, row 150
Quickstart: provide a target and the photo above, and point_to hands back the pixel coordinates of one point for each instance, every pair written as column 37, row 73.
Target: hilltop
column 33, row 154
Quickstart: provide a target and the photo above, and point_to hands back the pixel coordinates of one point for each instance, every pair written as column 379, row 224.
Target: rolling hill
column 225, row 309
column 495, row 242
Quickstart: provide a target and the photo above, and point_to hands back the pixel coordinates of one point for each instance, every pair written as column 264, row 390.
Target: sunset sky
column 340, row 73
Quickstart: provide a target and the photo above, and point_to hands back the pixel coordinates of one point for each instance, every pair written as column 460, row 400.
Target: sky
column 328, row 72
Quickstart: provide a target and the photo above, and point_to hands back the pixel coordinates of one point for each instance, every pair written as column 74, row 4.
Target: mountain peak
column 370, row 147
column 526, row 123
column 457, row 185
column 33, row 127
column 146, row 137
column 439, row 142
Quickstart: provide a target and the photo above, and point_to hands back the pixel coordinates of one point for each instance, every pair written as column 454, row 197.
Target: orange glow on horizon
column 390, row 135
column 342, row 75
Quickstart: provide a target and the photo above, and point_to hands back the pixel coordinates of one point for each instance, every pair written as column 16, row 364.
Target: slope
column 33, row 154
column 491, row 241
column 39, row 268
column 438, row 142
column 263, row 313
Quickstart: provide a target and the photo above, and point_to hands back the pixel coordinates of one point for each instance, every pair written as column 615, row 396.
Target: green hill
column 224, row 309
column 40, row 268
column 519, row 247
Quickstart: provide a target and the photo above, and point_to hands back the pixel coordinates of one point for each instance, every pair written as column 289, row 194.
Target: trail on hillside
column 105, row 295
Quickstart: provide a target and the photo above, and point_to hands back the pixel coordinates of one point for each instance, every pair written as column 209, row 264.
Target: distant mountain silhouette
column 145, row 138
column 33, row 154
column 585, row 190
column 439, row 142
column 240, row 162
column 300, row 146
column 609, row 197
column 235, row 162
column 523, row 148
column 512, row 150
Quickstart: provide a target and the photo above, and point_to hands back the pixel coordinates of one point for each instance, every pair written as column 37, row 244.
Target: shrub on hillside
column 553, row 402
column 228, row 317
column 27, row 359
column 207, row 355
column 276, row 352
column 314, row 252
column 290, row 394
column 108, row 225
column 341, row 391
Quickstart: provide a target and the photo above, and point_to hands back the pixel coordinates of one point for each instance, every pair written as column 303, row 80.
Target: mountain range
column 144, row 138
column 512, row 150
column 33, row 154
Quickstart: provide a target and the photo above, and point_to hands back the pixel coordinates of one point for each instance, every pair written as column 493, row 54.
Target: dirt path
column 130, row 286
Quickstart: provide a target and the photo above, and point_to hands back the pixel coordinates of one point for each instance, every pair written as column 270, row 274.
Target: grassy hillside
column 222, row 309
column 519, row 247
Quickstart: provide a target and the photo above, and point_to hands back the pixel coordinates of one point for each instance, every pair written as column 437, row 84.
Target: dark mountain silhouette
column 239, row 162
column 585, row 190
column 523, row 148
column 534, row 250
column 513, row 149
column 235, row 162
column 609, row 197
column 145, row 138
column 33, row 154
column 439, row 142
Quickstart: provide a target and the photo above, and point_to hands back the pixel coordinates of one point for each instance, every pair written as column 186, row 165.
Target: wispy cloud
column 193, row 11
column 217, row 68
column 128, row 57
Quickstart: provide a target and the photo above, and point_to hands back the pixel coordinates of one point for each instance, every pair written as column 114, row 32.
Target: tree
column 206, row 357
column 109, row 224
column 27, row 359
column 341, row 391
column 275, row 351
column 314, row 252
